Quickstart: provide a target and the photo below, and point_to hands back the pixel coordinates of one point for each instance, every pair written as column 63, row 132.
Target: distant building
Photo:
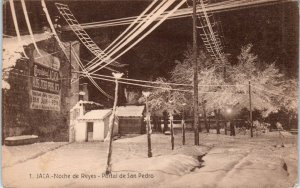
column 131, row 119
column 37, row 93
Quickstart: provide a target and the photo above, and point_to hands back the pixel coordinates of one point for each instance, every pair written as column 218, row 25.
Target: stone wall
column 20, row 116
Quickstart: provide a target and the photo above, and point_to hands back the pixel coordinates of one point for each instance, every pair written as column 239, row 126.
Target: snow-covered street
column 228, row 162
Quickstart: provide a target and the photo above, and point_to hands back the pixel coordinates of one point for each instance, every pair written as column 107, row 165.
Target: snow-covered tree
column 165, row 99
column 268, row 85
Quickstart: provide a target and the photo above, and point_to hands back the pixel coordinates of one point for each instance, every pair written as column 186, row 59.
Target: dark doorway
column 89, row 131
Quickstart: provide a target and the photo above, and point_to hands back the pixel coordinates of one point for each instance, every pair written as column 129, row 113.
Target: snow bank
column 17, row 154
column 5, row 85
column 21, row 137
column 170, row 164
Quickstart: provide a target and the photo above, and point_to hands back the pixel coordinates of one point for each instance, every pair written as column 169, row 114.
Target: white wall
column 98, row 133
column 80, row 131
column 100, row 129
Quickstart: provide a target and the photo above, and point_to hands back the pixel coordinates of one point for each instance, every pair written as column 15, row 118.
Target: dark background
column 273, row 30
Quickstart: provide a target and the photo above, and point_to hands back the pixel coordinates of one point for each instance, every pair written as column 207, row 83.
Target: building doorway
column 89, row 131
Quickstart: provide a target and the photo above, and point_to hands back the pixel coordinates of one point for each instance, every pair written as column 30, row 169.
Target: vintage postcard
column 150, row 93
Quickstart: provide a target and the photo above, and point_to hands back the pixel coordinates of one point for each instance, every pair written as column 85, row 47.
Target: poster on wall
column 45, row 93
column 45, row 101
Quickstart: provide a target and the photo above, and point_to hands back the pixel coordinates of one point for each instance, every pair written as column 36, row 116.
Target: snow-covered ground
column 16, row 154
column 229, row 162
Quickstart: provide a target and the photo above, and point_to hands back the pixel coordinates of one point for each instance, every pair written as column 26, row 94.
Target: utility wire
column 29, row 26
column 77, row 59
column 134, row 29
column 229, row 5
column 142, row 26
column 143, row 36
column 163, row 83
column 13, row 12
column 156, row 87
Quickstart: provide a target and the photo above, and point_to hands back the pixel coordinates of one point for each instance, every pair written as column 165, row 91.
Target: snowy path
column 244, row 163
column 229, row 162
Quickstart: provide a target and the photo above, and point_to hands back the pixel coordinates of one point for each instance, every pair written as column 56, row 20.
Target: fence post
column 225, row 127
column 172, row 131
column 250, row 108
column 217, row 119
column 149, row 131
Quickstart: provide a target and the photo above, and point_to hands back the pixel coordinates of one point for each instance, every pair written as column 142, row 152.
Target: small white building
column 93, row 126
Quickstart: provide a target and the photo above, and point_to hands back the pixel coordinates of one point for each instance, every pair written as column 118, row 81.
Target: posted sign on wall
column 45, row 101
column 45, row 93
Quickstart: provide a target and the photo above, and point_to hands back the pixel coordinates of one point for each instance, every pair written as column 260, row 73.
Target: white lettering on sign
column 44, row 101
column 43, row 72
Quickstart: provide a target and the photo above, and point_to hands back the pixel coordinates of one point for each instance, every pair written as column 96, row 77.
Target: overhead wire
column 143, row 36
column 158, row 10
column 185, row 12
column 14, row 16
column 149, row 86
column 29, row 26
column 77, row 59
column 131, row 25
column 128, row 28
column 81, row 34
column 162, row 83
column 178, row 84
column 211, row 35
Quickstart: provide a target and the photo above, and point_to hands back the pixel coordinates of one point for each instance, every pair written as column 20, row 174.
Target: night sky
column 273, row 30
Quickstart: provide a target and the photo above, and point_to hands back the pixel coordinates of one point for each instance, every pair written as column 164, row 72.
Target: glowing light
column 229, row 110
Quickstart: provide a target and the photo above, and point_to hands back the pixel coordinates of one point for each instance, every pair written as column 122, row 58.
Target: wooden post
column 204, row 116
column 183, row 124
column 208, row 124
column 112, row 123
column 217, row 115
column 183, row 129
column 250, row 109
column 195, row 66
column 146, row 94
column 70, row 72
column 225, row 127
column 165, row 119
column 232, row 128
column 172, row 131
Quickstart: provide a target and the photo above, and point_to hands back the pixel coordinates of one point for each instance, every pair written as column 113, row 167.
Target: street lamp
column 228, row 111
column 81, row 94
column 112, row 123
column 146, row 95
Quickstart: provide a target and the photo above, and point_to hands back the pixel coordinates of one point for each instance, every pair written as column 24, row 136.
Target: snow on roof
column 25, row 40
column 12, row 49
column 96, row 114
column 89, row 102
column 77, row 105
column 130, row 111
